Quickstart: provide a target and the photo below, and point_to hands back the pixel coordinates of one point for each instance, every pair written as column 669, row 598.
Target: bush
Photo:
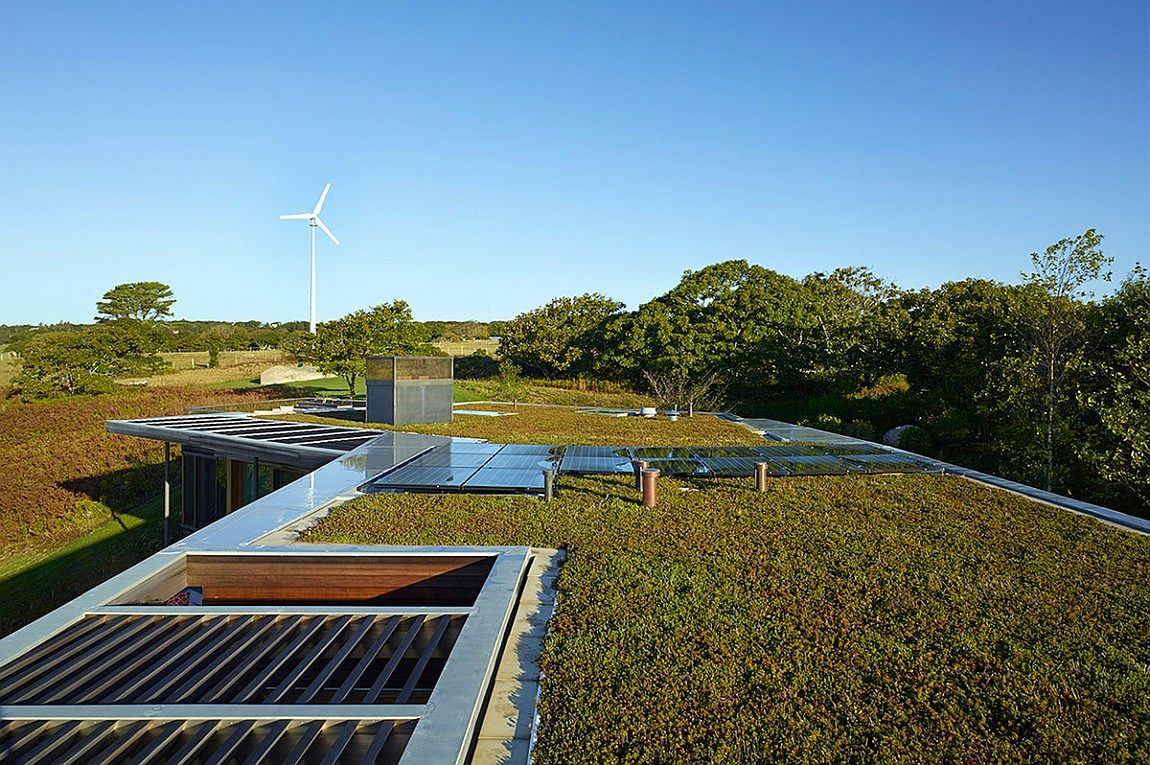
column 887, row 385
column 828, row 422
column 917, row 440
column 860, row 429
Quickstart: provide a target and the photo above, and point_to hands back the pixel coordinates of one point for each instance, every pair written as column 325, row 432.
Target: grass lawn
column 35, row 581
column 550, row 425
column 842, row 619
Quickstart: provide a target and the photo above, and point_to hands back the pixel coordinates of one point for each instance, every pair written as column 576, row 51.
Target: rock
column 893, row 437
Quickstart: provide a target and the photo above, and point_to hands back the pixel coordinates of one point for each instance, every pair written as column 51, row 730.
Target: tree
column 338, row 347
column 562, row 338
column 1121, row 397
column 847, row 308
column 1052, row 317
column 70, row 363
column 143, row 301
column 62, row 363
column 737, row 320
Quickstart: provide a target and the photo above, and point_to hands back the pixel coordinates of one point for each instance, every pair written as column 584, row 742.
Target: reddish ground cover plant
column 58, row 459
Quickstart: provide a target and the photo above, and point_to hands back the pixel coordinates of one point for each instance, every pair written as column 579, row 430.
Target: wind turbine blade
column 326, row 230
column 322, row 196
column 297, row 216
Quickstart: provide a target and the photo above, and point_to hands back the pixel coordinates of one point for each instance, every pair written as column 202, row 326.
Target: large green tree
column 143, row 301
column 739, row 321
column 1052, row 319
column 69, row 363
column 561, row 339
column 338, row 347
column 1120, row 394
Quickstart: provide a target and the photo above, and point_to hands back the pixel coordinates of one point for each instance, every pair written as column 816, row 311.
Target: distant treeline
column 1037, row 381
column 182, row 335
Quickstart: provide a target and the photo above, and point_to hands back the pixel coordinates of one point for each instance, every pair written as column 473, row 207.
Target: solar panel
column 893, row 463
column 731, row 466
column 790, row 450
column 576, row 464
column 341, row 444
column 517, row 461
column 679, row 467
column 854, row 449
column 474, row 447
column 543, row 450
column 719, row 452
column 505, row 479
column 661, row 453
column 592, row 451
column 824, row 464
column 445, row 457
column 417, row 477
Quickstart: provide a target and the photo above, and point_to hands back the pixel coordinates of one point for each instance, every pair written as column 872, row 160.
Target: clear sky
column 486, row 157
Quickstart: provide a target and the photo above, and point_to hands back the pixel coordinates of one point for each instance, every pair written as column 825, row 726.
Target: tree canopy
column 338, row 347
column 143, row 301
column 562, row 338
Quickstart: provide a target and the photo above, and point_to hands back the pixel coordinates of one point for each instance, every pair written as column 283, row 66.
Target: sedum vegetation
column 553, row 425
column 861, row 619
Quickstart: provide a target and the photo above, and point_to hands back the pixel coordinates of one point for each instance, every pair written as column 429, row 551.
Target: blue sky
column 486, row 157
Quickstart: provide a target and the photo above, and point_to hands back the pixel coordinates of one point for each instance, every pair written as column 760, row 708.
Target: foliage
column 477, row 366
column 1053, row 321
column 62, row 363
column 562, row 338
column 685, row 392
column 869, row 619
column 1122, row 398
column 741, row 319
column 887, row 385
column 509, row 383
column 339, row 347
column 917, row 440
column 142, row 301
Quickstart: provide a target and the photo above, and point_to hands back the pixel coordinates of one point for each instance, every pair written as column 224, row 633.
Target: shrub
column 860, row 429
column 917, row 440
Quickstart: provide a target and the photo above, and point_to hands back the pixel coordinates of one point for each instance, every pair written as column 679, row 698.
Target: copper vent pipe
column 650, row 479
column 638, row 466
column 760, row 477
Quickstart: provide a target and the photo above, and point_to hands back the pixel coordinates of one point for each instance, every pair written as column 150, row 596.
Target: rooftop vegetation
column 859, row 618
column 554, row 425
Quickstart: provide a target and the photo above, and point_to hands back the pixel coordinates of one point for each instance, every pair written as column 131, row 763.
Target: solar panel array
column 740, row 461
column 469, row 466
column 335, row 437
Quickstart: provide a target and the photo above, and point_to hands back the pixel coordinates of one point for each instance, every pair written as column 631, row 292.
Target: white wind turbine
column 313, row 221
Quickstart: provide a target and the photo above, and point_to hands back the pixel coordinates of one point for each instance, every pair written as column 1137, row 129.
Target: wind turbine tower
column 313, row 220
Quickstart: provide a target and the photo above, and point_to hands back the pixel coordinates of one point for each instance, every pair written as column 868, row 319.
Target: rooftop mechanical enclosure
column 406, row 390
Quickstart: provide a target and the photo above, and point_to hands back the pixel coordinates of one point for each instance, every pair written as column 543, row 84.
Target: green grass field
column 32, row 583
column 861, row 619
